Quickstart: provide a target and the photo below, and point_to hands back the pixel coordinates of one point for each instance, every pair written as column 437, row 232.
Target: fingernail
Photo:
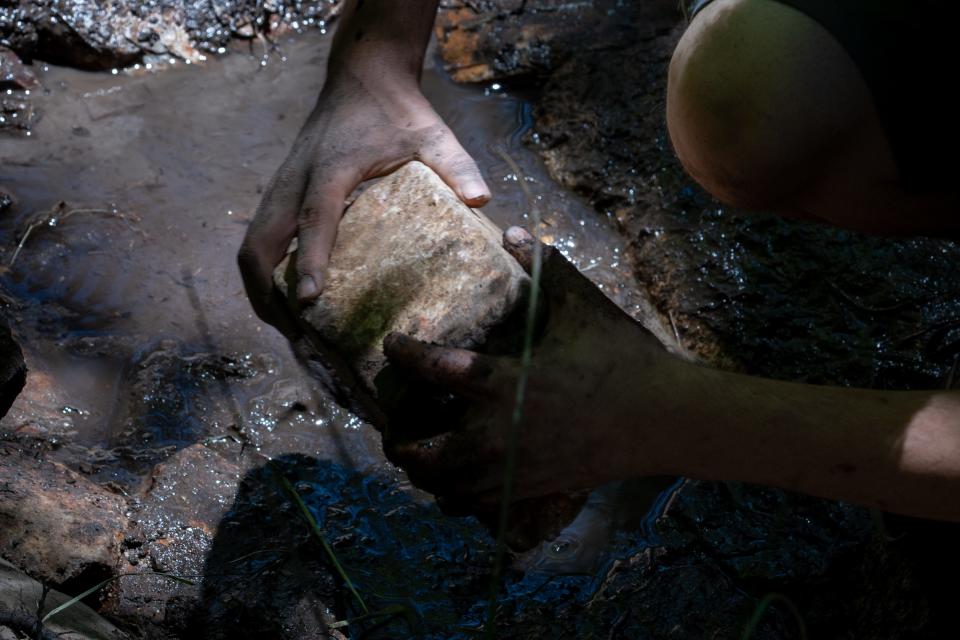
column 307, row 288
column 517, row 236
column 475, row 191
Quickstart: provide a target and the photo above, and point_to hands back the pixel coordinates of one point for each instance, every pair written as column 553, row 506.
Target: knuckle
column 463, row 165
column 247, row 258
column 315, row 221
column 284, row 180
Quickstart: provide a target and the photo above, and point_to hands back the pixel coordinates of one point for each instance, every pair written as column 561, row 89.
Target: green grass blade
column 521, row 389
column 323, row 541
column 765, row 604
column 72, row 601
column 386, row 612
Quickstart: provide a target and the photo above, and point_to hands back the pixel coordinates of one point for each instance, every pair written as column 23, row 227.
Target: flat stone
column 57, row 525
column 409, row 257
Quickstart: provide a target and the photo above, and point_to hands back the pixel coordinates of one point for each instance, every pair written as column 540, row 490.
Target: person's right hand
column 356, row 132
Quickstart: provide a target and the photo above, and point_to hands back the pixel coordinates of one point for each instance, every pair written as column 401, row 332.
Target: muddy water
column 137, row 333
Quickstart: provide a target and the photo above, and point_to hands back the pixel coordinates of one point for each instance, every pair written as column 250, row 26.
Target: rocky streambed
column 159, row 420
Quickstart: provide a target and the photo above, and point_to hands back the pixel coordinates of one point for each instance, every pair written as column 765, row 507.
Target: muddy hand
column 593, row 370
column 352, row 135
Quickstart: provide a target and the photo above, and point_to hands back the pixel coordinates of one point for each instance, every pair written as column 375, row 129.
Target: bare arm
column 893, row 450
column 370, row 118
column 604, row 402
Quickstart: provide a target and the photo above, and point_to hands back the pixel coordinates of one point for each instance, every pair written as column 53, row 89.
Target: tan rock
column 56, row 524
column 409, row 257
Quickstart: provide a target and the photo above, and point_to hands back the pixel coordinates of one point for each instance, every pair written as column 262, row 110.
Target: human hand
column 597, row 381
column 358, row 130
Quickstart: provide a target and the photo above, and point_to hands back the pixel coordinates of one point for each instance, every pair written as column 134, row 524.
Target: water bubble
column 560, row 546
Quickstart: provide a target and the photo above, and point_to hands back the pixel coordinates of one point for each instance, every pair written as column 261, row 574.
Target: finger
column 559, row 277
column 320, row 215
column 450, row 464
column 520, row 244
column 453, row 164
column 459, row 370
column 268, row 238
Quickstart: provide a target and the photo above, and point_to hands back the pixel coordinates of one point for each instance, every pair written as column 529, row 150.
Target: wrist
column 375, row 66
column 395, row 99
column 651, row 393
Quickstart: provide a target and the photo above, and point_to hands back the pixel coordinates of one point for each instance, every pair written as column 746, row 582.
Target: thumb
column 455, row 166
column 559, row 277
column 317, row 224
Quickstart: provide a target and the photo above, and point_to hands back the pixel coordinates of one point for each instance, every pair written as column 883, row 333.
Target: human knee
column 758, row 93
column 715, row 106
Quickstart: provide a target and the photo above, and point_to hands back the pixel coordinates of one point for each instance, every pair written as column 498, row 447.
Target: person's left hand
column 597, row 385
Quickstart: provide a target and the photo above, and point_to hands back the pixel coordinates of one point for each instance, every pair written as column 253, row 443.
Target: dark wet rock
column 57, row 525
column 654, row 593
column 13, row 369
column 13, row 73
column 486, row 39
column 178, row 396
column 101, row 34
column 172, row 529
column 838, row 564
column 266, row 575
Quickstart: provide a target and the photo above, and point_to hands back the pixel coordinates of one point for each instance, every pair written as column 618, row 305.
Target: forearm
column 896, row 451
column 382, row 40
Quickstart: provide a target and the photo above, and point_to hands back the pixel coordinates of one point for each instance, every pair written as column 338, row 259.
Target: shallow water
column 128, row 302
